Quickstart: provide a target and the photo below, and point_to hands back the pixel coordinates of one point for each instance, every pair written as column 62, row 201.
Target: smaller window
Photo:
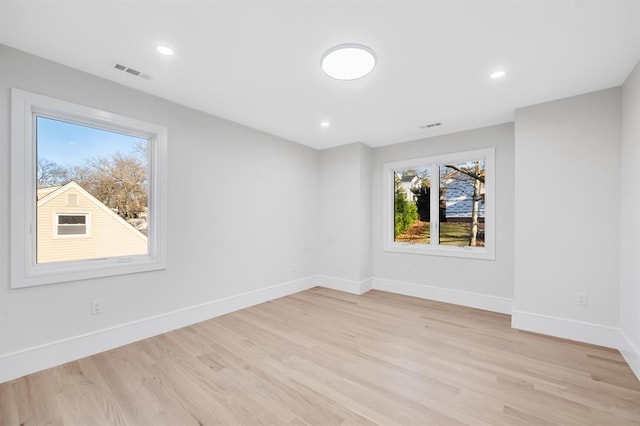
column 72, row 200
column 72, row 225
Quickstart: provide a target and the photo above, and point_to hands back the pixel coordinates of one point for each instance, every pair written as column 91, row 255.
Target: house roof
column 43, row 192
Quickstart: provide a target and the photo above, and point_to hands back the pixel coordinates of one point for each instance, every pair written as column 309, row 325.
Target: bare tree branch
column 471, row 174
column 49, row 173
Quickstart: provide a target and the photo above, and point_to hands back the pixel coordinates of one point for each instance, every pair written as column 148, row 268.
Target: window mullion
column 434, row 205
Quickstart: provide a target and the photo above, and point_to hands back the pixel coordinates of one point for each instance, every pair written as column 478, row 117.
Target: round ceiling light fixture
column 497, row 74
column 348, row 61
column 165, row 50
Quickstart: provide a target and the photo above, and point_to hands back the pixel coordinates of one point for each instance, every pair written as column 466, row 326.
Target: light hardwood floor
column 323, row 357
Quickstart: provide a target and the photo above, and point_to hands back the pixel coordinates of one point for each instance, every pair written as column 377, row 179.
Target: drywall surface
column 345, row 240
column 242, row 213
column 461, row 276
column 364, row 212
column 567, row 200
column 630, row 202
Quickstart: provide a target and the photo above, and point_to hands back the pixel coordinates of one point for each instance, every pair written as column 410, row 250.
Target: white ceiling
column 258, row 62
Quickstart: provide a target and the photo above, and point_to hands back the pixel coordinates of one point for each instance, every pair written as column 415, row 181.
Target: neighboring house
column 409, row 182
column 74, row 225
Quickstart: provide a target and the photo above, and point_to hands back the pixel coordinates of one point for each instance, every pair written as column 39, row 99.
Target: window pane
column 72, row 220
column 84, row 170
column 412, row 189
column 72, row 230
column 462, row 202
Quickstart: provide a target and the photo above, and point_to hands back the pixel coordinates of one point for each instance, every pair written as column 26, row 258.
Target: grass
column 451, row 234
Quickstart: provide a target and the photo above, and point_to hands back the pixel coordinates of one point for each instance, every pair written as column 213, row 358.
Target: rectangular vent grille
column 131, row 71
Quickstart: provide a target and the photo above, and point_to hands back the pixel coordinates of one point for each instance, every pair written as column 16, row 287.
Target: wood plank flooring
column 323, row 357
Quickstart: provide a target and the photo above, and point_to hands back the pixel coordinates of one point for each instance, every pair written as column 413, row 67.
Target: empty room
column 331, row 212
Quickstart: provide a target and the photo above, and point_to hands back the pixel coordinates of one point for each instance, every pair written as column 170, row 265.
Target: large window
column 441, row 205
column 87, row 192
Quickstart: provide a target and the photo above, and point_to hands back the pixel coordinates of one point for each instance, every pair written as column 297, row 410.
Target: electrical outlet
column 96, row 306
column 581, row 299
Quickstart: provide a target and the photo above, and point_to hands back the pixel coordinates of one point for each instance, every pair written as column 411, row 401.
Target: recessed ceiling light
column 325, row 124
column 165, row 50
column 348, row 61
column 497, row 74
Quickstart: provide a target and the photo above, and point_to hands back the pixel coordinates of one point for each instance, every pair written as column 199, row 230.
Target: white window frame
column 25, row 271
column 56, row 224
column 434, row 248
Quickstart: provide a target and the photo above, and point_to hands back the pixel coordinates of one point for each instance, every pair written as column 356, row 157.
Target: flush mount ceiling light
column 348, row 61
column 497, row 74
column 165, row 50
column 325, row 124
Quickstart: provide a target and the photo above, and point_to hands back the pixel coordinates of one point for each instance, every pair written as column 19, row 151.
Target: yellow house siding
column 108, row 236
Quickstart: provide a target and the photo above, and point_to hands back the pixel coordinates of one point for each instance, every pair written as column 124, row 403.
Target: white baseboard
column 580, row 331
column 29, row 360
column 631, row 353
column 343, row 284
column 458, row 297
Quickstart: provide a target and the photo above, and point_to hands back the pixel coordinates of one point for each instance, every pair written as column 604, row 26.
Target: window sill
column 423, row 249
column 58, row 272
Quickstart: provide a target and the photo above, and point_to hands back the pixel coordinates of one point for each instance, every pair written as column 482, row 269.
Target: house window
column 67, row 157
column 441, row 205
column 72, row 225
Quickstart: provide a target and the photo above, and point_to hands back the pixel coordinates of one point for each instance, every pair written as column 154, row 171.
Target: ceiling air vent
column 431, row 125
column 131, row 71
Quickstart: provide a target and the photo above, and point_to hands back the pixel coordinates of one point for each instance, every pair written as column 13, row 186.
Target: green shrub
column 405, row 212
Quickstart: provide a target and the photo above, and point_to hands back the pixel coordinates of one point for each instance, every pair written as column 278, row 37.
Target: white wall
column 630, row 227
column 366, row 188
column 486, row 284
column 567, row 206
column 223, row 239
column 345, row 218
